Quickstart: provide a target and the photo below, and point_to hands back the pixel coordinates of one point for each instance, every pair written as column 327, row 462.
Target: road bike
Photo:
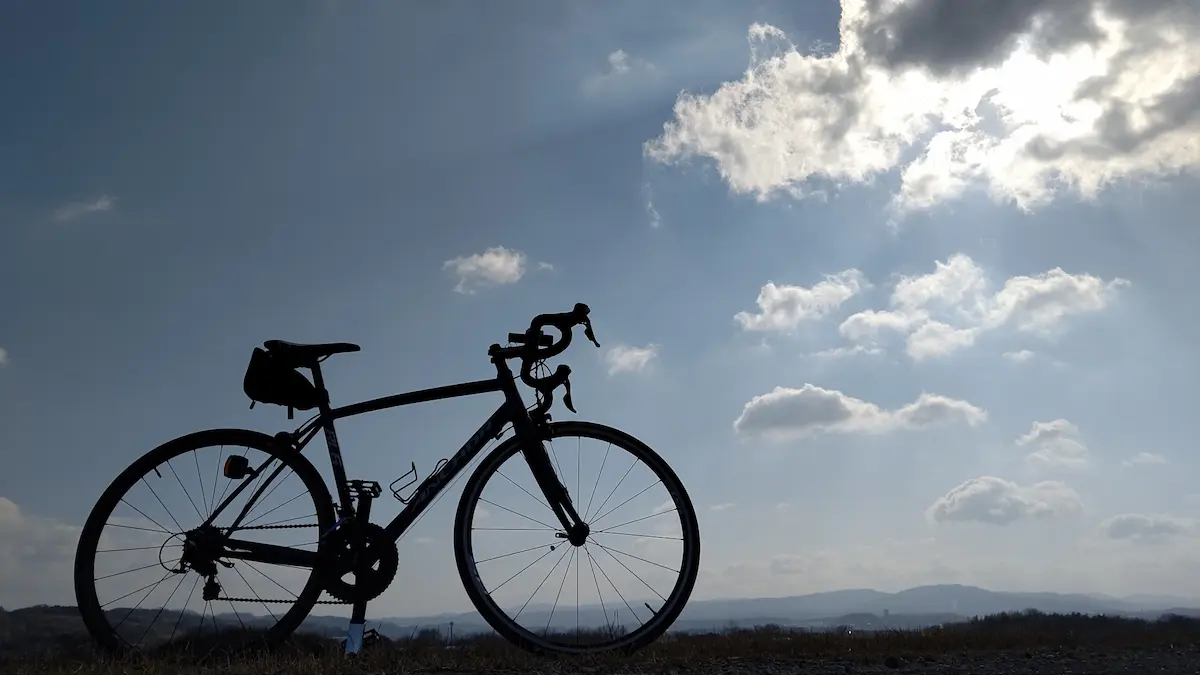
column 353, row 560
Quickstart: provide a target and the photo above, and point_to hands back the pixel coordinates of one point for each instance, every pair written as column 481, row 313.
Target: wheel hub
column 201, row 548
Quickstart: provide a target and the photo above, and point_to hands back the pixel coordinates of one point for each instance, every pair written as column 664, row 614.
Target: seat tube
column 331, row 442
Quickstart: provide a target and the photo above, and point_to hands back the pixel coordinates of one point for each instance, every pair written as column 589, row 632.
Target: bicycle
column 354, row 560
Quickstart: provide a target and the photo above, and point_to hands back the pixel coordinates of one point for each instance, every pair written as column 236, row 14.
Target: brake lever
column 567, row 395
column 587, row 331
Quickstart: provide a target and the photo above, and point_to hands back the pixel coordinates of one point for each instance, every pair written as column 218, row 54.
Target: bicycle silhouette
column 354, row 560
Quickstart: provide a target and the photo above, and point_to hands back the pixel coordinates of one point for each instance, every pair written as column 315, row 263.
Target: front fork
column 556, row 493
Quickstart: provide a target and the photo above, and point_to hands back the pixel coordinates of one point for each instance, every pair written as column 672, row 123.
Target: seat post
column 319, row 383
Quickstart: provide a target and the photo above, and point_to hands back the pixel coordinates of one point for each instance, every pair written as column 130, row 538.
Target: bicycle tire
column 93, row 615
column 520, row 636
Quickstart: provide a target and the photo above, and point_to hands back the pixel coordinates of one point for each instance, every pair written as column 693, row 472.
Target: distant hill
column 936, row 603
column 860, row 609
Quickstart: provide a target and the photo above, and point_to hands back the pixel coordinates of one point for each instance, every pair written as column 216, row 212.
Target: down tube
column 437, row 481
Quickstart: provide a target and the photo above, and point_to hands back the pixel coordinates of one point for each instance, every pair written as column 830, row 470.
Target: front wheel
column 618, row 590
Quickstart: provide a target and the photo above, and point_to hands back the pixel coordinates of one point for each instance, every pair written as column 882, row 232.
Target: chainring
column 369, row 585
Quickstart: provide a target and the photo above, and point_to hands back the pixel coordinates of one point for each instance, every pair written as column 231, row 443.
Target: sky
column 902, row 290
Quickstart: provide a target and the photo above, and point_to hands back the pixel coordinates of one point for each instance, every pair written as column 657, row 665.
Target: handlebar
column 535, row 346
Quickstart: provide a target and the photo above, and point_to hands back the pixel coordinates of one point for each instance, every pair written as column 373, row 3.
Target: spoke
column 160, row 503
column 143, row 529
column 597, row 483
column 532, row 496
column 510, row 529
column 139, row 604
column 182, row 578
column 539, row 586
column 548, row 552
column 185, row 490
column 638, row 520
column 614, row 587
column 606, row 513
column 562, row 475
column 255, row 568
column 506, row 555
column 137, row 548
column 532, row 520
column 136, row 591
column 203, row 492
column 596, row 580
column 245, row 525
column 136, row 569
column 217, row 478
column 260, row 600
column 263, row 498
column 185, row 604
column 635, row 574
column 566, row 571
column 610, row 494
column 637, row 534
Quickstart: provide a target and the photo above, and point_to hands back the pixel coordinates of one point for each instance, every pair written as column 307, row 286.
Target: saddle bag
column 268, row 380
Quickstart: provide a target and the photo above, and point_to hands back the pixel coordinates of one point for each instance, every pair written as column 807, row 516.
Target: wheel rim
column 623, row 586
column 145, row 565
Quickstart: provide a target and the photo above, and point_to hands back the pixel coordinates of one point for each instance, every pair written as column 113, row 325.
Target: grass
column 304, row 655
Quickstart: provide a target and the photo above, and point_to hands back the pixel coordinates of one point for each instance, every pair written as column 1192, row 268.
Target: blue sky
column 897, row 313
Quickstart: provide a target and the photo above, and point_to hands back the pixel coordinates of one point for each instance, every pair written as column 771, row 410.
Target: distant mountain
column 860, row 609
column 936, row 603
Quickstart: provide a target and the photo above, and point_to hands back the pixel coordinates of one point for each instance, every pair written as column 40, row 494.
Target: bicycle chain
column 279, row 602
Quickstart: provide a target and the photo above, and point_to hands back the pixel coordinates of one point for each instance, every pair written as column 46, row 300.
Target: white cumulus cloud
column 495, row 266
column 783, row 307
column 946, row 310
column 1146, row 527
column 1022, row 99
column 1057, row 444
column 995, row 501
column 785, row 413
column 629, row 359
column 1144, row 459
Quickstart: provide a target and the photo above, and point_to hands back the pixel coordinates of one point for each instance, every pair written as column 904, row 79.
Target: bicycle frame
column 512, row 410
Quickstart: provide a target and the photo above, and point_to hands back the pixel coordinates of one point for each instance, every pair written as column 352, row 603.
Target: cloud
column 495, row 266
column 36, row 558
column 785, row 414
column 946, row 310
column 722, row 507
column 1057, row 443
column 1147, row 528
column 621, row 67
column 844, row 352
column 627, row 359
column 782, row 308
column 1020, row 356
column 995, row 501
column 77, row 210
column 1144, row 459
column 1023, row 99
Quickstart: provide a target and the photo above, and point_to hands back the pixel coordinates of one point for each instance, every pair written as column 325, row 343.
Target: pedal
column 363, row 488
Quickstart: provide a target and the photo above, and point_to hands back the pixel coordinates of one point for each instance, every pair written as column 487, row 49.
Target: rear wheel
column 148, row 572
column 618, row 590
